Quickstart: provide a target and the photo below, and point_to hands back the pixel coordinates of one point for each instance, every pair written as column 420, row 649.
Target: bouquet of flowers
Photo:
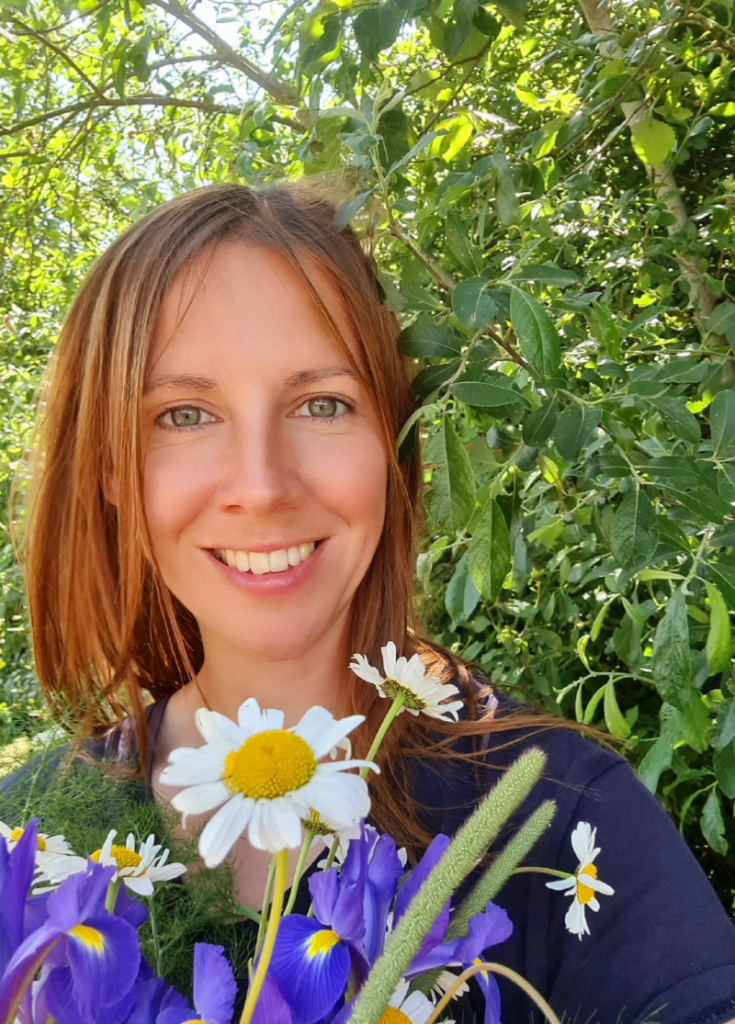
column 379, row 945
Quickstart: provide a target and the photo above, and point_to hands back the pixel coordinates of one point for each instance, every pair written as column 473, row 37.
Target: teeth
column 259, row 562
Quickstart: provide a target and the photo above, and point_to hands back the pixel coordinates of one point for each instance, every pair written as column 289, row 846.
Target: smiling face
column 265, row 468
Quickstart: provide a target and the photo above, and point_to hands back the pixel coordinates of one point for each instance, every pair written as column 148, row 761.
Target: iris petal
column 215, row 988
column 311, row 977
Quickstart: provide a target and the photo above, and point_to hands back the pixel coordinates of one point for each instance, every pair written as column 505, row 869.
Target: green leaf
column 538, row 338
column 679, row 420
column 719, row 638
column 452, row 496
column 574, row 430
column 722, row 425
column 724, row 576
column 549, row 273
column 425, row 339
column 724, row 731
column 488, row 394
column 472, row 304
column 462, row 595
column 653, row 141
column 540, row 424
column 377, row 28
column 489, row 551
column 713, row 824
column 347, row 210
column 702, row 501
column 722, row 321
column 457, row 234
column 505, row 194
column 614, row 718
column 634, row 533
column 431, row 378
column 658, row 759
column 672, row 658
column 600, row 618
column 724, row 766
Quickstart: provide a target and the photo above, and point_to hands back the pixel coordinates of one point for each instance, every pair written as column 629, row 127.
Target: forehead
column 251, row 295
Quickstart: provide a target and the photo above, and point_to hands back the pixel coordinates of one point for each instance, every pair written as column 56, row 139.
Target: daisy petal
column 198, row 799
column 563, row 883
column 218, row 731
column 596, row 884
column 224, row 829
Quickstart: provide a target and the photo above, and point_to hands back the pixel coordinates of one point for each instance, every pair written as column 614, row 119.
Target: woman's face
column 265, row 467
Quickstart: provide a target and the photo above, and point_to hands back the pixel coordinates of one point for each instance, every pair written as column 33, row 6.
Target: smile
column 260, row 562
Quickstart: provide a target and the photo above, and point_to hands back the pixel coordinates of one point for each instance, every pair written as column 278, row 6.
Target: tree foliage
column 548, row 189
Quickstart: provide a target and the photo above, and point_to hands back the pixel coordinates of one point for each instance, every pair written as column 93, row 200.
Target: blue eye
column 184, row 417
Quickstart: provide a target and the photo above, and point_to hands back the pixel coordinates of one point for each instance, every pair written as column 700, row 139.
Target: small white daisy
column 267, row 778
column 409, row 1009
column 584, row 883
column 423, row 694
column 48, row 846
column 139, row 869
column 446, row 980
column 326, row 831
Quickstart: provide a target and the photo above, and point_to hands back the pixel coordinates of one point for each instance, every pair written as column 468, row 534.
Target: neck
column 318, row 676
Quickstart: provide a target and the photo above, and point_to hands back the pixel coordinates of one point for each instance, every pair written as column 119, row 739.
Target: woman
column 219, row 512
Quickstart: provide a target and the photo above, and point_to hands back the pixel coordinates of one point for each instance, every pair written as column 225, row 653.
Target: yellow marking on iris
column 393, row 1016
column 322, row 942
column 17, row 835
column 270, row 764
column 584, row 893
column 89, row 936
column 123, row 857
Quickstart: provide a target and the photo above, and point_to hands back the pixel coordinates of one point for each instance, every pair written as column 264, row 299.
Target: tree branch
column 274, row 86
column 144, row 100
column 666, row 190
column 26, row 30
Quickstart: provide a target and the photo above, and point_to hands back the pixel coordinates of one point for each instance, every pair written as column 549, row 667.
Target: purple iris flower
column 152, row 996
column 215, row 990
column 16, row 877
column 90, row 957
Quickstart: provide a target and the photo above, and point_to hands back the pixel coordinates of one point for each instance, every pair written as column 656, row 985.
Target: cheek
column 358, row 488
column 175, row 490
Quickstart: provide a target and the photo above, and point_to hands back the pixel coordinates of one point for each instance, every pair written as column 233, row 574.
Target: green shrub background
column 548, row 189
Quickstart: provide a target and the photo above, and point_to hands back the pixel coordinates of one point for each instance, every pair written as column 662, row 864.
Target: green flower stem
column 266, row 904
column 506, row 972
column 544, row 871
column 250, row 912
column 111, row 898
column 385, row 725
column 469, row 844
column 305, row 847
column 393, row 710
column 493, row 879
column 271, row 932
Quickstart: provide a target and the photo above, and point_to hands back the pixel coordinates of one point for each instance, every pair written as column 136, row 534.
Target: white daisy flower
column 48, row 846
column 325, row 831
column 446, row 981
column 410, row 1009
column 584, row 883
column 139, row 869
column 267, row 778
column 423, row 694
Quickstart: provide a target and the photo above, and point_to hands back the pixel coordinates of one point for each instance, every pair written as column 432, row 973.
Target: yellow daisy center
column 270, row 764
column 584, row 893
column 391, row 689
column 17, row 835
column 123, row 857
column 322, row 942
column 394, row 1016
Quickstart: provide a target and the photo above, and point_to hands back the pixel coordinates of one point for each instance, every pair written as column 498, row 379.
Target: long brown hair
column 105, row 627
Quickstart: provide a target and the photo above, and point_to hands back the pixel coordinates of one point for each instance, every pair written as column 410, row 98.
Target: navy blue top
column 661, row 949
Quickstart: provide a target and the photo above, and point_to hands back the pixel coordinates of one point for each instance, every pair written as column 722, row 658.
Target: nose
column 261, row 470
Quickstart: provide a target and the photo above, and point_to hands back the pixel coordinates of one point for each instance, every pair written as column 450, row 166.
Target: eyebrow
column 191, row 382
column 182, row 380
column 303, row 377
